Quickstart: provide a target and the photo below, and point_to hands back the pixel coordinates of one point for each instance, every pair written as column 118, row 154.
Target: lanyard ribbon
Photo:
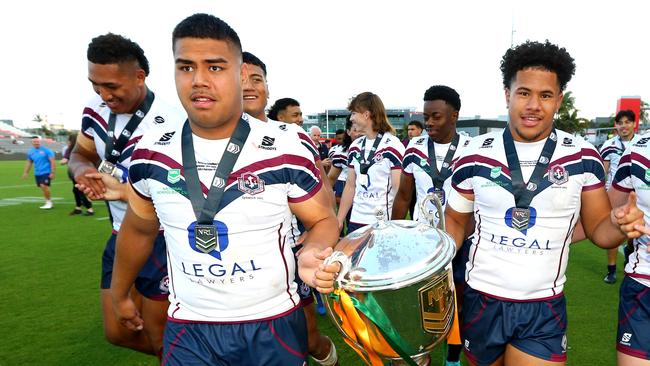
column 206, row 209
column 438, row 177
column 114, row 148
column 363, row 330
column 367, row 162
column 525, row 192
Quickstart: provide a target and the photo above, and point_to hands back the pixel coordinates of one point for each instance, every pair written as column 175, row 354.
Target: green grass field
column 49, row 285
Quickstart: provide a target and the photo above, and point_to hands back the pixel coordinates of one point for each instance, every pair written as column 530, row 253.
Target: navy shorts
column 459, row 263
column 338, row 188
column 152, row 281
column 277, row 342
column 304, row 290
column 537, row 328
column 42, row 179
column 633, row 337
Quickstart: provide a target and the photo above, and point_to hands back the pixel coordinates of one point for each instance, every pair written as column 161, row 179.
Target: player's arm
column 28, row 166
column 326, row 184
column 333, row 175
column 395, row 178
column 605, row 227
column 52, row 166
column 346, row 197
column 403, row 197
column 458, row 216
column 83, row 160
column 134, row 245
column 318, row 217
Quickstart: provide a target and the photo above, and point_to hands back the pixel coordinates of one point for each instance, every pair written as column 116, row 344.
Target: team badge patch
column 173, row 175
column 250, row 183
column 377, row 158
column 558, row 175
column 495, row 172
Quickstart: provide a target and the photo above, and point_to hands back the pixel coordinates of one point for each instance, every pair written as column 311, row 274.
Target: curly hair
column 113, row 48
column 280, row 105
column 625, row 113
column 443, row 92
column 545, row 55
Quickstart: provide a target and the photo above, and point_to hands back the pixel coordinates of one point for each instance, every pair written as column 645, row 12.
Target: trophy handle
column 346, row 264
column 431, row 197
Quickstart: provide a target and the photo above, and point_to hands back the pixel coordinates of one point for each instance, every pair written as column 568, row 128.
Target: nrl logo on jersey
column 250, row 183
column 558, row 175
column 495, row 172
column 173, row 176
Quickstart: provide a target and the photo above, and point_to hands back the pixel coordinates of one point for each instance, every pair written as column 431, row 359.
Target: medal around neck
column 394, row 295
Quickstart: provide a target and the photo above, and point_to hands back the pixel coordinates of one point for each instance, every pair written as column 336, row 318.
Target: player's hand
column 127, row 314
column 90, row 187
column 114, row 188
column 326, row 163
column 23, row 176
column 629, row 217
column 324, row 275
column 51, row 176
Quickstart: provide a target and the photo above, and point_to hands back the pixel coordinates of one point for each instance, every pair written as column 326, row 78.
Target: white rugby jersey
column 295, row 231
column 250, row 275
column 339, row 159
column 416, row 164
column 374, row 190
column 94, row 125
column 611, row 151
column 633, row 174
column 529, row 265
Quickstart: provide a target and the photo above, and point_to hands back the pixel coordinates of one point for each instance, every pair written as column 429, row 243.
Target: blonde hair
column 370, row 102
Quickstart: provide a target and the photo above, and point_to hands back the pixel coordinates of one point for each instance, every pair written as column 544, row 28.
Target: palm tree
column 567, row 116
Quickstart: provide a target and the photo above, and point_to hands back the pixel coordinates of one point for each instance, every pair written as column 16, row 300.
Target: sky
column 322, row 53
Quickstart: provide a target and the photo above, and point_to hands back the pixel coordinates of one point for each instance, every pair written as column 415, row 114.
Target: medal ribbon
column 206, row 208
column 524, row 193
column 114, row 148
column 438, row 177
column 367, row 162
column 387, row 341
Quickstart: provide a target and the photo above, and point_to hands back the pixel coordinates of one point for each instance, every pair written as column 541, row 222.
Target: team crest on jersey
column 377, row 158
column 495, row 172
column 173, row 175
column 558, row 175
column 250, row 183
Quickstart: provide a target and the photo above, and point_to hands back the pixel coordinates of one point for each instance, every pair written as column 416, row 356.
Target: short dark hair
column 208, row 26
column 443, row 92
column 545, row 55
column 280, row 105
column 417, row 123
column 249, row 58
column 625, row 113
column 339, row 131
column 113, row 48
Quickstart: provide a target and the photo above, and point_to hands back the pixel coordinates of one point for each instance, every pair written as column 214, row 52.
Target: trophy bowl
column 394, row 296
